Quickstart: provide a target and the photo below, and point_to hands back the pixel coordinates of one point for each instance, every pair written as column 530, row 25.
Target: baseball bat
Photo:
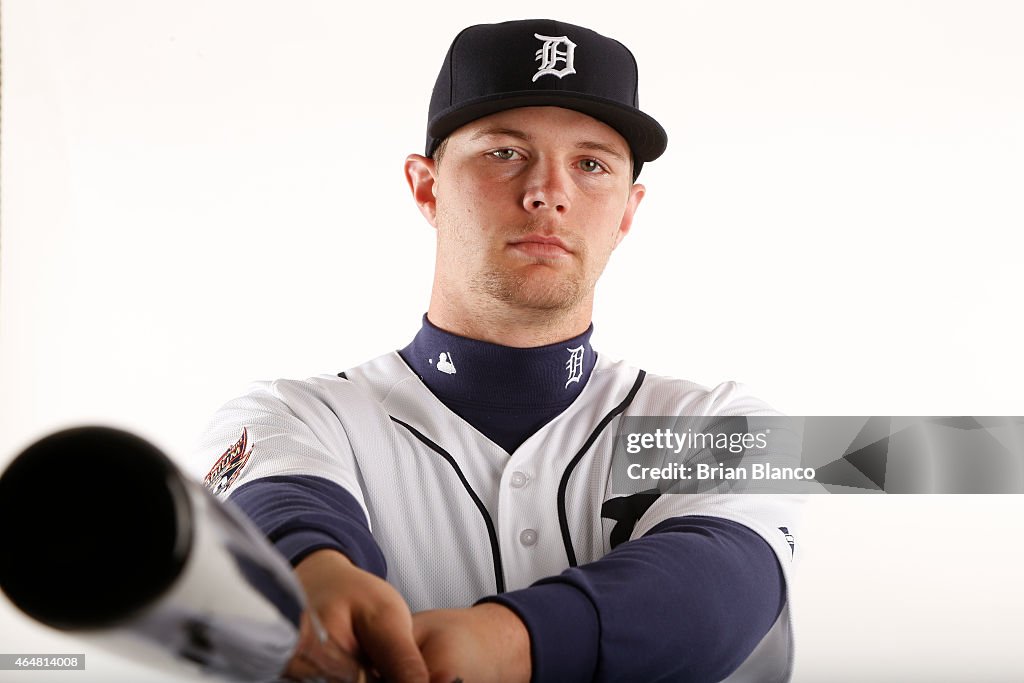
column 106, row 539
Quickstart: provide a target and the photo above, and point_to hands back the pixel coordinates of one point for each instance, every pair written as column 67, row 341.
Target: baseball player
column 449, row 506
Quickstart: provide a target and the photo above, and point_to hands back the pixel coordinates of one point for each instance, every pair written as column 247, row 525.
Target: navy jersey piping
column 499, row 574
column 563, row 521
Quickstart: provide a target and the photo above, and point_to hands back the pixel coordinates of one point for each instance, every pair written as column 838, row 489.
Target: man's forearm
column 302, row 514
column 687, row 602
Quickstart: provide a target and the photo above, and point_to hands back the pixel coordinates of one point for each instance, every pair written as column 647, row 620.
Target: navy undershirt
column 687, row 602
column 506, row 393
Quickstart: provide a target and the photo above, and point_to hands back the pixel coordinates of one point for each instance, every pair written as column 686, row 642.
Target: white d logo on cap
column 549, row 56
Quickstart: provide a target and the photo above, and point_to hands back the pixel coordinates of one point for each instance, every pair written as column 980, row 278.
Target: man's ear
column 636, row 193
column 421, row 174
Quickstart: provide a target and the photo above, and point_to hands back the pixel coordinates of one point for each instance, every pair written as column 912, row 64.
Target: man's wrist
column 509, row 630
column 563, row 628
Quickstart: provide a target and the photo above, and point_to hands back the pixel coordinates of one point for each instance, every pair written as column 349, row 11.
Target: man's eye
column 504, row 154
column 591, row 166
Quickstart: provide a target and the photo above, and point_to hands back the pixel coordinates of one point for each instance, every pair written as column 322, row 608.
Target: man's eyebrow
column 498, row 132
column 600, row 147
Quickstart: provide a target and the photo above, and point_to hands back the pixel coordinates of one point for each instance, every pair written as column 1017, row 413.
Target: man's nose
column 547, row 187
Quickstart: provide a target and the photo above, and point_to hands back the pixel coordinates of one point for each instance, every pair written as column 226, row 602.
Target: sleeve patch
column 226, row 470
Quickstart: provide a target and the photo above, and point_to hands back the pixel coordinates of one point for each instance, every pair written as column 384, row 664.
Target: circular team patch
column 229, row 466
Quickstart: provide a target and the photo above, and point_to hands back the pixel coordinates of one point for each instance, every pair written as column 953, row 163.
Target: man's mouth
column 544, row 246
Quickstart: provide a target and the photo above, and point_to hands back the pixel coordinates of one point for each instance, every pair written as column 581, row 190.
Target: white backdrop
column 197, row 194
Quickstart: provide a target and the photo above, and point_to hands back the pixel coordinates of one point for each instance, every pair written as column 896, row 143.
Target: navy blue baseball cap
column 541, row 62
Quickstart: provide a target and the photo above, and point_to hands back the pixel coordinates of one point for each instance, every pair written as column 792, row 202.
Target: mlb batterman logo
column 555, row 49
column 229, row 466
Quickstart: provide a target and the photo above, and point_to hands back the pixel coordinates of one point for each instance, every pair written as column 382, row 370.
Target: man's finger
column 389, row 643
column 319, row 657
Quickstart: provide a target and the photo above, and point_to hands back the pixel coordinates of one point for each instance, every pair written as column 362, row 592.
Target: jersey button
column 528, row 537
column 519, row 479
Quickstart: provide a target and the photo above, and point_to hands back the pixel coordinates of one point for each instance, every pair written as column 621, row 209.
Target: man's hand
column 363, row 615
column 487, row 643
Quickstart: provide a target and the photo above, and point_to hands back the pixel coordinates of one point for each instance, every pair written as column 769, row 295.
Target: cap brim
column 645, row 136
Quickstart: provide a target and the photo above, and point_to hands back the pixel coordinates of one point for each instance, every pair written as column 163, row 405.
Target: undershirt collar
column 507, row 393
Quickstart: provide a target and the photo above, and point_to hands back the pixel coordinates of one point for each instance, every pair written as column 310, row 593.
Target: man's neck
column 510, row 326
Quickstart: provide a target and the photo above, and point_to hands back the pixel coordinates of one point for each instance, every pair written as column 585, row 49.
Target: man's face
column 530, row 203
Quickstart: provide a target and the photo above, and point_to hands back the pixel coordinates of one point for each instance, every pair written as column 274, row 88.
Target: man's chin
column 536, row 291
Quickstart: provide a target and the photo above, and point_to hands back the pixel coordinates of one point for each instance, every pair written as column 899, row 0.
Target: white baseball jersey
column 458, row 518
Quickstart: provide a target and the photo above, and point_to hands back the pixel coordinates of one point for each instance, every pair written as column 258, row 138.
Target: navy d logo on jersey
column 229, row 466
column 555, row 50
